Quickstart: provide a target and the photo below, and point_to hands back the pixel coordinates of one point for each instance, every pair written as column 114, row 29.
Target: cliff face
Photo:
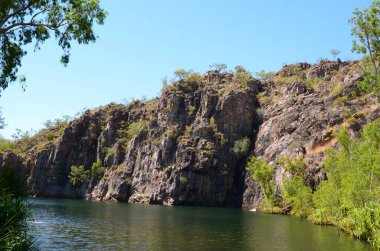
column 303, row 105
column 178, row 148
column 179, row 153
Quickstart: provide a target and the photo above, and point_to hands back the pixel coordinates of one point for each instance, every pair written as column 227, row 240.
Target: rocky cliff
column 190, row 146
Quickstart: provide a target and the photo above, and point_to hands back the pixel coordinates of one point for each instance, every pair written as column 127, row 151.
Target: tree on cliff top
column 33, row 21
column 366, row 29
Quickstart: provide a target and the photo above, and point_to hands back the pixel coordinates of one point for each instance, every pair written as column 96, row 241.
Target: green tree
column 349, row 198
column 294, row 191
column 262, row 173
column 78, row 175
column 34, row 21
column 335, row 53
column 182, row 74
column 218, row 67
column 241, row 146
column 243, row 76
column 264, row 75
column 97, row 168
column 366, row 30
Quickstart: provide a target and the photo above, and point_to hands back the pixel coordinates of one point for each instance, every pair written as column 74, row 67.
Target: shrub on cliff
column 182, row 74
column 78, row 175
column 97, row 168
column 243, row 76
column 135, row 128
column 241, row 147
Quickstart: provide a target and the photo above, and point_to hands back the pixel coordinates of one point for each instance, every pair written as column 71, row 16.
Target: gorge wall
column 190, row 145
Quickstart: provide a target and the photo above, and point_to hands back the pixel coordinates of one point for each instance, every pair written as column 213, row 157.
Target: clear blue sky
column 144, row 41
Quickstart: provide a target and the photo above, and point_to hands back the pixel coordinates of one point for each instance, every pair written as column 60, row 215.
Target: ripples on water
column 84, row 225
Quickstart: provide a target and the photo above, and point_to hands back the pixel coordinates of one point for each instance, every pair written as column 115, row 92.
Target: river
column 86, row 225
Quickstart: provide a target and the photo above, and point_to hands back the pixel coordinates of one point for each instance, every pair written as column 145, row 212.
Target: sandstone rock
column 177, row 149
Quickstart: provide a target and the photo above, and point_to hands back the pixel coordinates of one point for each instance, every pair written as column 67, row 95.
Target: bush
column 128, row 181
column 298, row 195
column 194, row 77
column 97, row 168
column 243, row 76
column 191, row 110
column 264, row 76
column 78, row 175
column 218, row 67
column 135, row 128
column 182, row 74
column 241, row 147
column 351, row 205
column 183, row 179
column 262, row 173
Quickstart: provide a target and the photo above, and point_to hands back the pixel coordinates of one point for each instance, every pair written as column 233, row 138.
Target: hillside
column 190, row 146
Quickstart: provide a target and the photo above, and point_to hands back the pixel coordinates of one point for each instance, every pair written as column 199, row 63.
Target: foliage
column 128, row 181
column 194, row 77
column 23, row 141
column 212, row 122
column 290, row 80
column 263, row 173
column 298, row 195
column 182, row 74
column 188, row 130
column 243, row 76
column 191, row 110
column 350, row 196
column 135, row 128
column 340, row 100
column 335, row 53
column 366, row 29
column 97, row 168
column 219, row 67
column 2, row 121
column 264, row 75
column 183, row 179
column 78, row 175
column 370, row 83
column 34, row 21
column 337, row 89
column 295, row 166
column 241, row 147
column 295, row 192
column 14, row 213
column 345, row 201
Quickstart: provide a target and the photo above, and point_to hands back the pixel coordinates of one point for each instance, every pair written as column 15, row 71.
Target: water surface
column 85, row 225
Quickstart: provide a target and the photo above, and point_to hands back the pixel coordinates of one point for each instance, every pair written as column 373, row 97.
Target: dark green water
column 84, row 225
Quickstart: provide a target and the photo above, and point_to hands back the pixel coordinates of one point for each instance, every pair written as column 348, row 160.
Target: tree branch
column 7, row 17
column 50, row 26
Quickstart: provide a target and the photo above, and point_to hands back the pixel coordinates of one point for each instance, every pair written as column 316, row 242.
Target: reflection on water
column 84, row 225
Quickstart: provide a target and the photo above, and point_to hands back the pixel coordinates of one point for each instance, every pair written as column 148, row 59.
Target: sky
column 143, row 42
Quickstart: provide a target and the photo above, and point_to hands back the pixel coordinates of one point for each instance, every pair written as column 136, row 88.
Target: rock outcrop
column 175, row 149
column 300, row 116
column 183, row 147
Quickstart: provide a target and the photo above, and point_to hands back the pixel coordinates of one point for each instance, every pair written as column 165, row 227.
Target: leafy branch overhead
column 34, row 21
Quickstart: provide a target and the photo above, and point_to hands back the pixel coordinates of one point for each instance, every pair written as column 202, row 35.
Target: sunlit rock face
column 180, row 148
